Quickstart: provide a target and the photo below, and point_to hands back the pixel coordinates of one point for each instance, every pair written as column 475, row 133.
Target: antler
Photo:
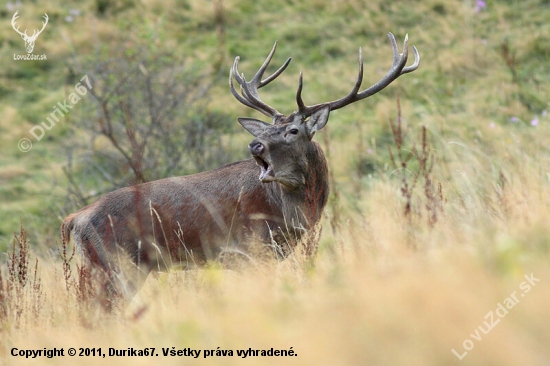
column 249, row 90
column 398, row 68
column 13, row 19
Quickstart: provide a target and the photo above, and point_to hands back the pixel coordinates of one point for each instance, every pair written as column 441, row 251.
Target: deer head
column 281, row 148
column 29, row 40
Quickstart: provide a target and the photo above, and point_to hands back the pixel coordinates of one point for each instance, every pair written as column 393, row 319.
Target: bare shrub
column 86, row 287
column 22, row 296
column 414, row 165
column 148, row 119
column 66, row 263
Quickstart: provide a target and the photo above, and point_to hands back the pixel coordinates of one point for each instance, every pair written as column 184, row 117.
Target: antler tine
column 249, row 90
column 416, row 62
column 257, row 78
column 397, row 69
column 302, row 108
column 275, row 74
column 235, row 70
column 248, row 99
column 395, row 50
column 253, row 97
column 235, row 75
column 360, row 75
column 399, row 61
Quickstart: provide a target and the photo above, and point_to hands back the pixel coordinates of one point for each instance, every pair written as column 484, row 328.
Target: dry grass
column 407, row 310
column 370, row 298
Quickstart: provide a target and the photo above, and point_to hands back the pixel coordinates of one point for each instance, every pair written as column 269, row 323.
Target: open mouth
column 267, row 174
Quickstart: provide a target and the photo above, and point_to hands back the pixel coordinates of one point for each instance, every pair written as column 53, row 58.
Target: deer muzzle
column 257, row 150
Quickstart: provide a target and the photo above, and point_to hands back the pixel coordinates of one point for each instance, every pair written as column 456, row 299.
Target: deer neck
column 303, row 206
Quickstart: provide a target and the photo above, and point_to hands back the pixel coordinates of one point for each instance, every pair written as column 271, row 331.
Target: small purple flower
column 514, row 119
column 492, row 125
column 480, row 5
column 535, row 121
column 13, row 6
column 69, row 18
column 369, row 151
column 544, row 113
column 74, row 12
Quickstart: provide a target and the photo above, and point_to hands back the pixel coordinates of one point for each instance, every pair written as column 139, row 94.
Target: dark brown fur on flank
column 272, row 199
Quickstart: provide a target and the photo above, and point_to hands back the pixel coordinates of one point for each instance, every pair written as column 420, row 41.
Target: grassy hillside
column 411, row 259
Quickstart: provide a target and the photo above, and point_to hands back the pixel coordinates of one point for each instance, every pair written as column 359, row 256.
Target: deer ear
column 317, row 120
column 254, row 126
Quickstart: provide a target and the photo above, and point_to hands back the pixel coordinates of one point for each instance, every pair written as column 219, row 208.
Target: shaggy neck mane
column 303, row 206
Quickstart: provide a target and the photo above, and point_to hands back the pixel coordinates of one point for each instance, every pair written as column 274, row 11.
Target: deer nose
column 256, row 148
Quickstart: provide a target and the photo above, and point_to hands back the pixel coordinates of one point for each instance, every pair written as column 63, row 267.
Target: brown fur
column 195, row 218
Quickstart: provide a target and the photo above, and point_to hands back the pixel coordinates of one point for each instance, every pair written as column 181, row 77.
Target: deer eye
column 294, row 131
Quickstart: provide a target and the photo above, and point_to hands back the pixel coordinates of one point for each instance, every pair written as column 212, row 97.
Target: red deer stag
column 192, row 219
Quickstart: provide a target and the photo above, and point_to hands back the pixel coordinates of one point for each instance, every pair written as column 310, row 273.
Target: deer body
column 196, row 218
